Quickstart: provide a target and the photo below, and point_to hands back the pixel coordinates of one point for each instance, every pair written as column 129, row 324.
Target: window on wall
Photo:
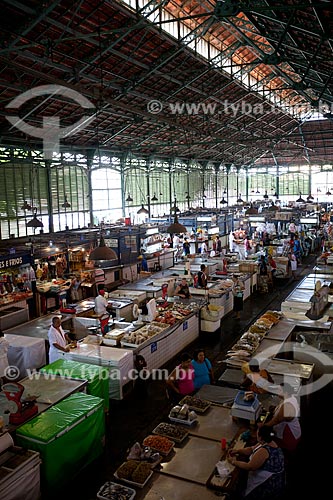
column 69, row 186
column 20, row 182
column 106, row 195
column 28, row 182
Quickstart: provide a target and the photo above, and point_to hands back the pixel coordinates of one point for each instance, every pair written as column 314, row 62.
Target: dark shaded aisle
column 136, row 416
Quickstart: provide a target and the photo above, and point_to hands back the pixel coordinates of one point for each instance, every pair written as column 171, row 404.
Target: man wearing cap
column 101, row 304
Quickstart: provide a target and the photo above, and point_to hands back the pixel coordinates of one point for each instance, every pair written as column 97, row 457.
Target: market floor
column 134, row 417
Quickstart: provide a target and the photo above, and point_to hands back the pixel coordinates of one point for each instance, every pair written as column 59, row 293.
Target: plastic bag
column 224, row 468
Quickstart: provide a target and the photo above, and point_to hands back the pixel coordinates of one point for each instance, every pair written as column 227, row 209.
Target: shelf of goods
column 97, row 377
column 76, row 425
column 118, row 361
column 25, row 353
column 17, row 298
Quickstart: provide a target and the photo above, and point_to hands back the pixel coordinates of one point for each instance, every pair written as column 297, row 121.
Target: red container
column 223, row 443
column 127, row 221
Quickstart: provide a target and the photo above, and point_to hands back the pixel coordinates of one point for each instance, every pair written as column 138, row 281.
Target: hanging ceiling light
column 328, row 193
column 223, row 201
column 66, row 203
column 176, row 227
column 143, row 210
column 26, row 206
column 239, row 199
column 266, row 196
column 154, row 198
column 310, row 197
column 300, row 199
column 102, row 252
column 276, row 195
column 129, row 198
column 34, row 222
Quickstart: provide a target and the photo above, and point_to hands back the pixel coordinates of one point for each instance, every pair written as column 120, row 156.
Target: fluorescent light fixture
column 256, row 219
column 309, row 220
column 152, row 230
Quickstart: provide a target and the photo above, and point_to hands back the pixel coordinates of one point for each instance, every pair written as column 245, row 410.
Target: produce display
column 114, row 491
column 171, row 431
column 248, row 343
column 196, row 404
column 134, row 472
column 160, row 443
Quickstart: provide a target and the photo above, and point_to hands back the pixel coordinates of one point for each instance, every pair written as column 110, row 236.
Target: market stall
column 75, row 425
column 119, row 362
column 97, row 377
column 33, row 395
column 25, row 353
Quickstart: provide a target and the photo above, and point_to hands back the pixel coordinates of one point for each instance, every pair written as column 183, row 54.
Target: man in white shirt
column 58, row 339
column 101, row 304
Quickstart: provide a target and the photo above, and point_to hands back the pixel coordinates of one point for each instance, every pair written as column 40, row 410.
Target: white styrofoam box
column 212, row 316
column 217, row 301
column 210, row 326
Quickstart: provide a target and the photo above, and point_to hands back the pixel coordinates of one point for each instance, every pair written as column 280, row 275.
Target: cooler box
column 68, row 436
column 97, row 376
column 248, row 410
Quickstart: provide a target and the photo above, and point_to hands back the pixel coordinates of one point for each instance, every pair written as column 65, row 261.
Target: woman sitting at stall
column 265, row 466
column 181, row 380
column 203, row 373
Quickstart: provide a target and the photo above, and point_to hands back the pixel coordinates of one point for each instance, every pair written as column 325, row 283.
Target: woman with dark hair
column 265, row 466
column 181, row 379
column 203, row 374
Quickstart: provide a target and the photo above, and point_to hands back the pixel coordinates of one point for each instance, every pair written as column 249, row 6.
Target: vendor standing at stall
column 101, row 304
column 58, row 339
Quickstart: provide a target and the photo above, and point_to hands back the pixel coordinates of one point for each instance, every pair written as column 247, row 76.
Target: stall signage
column 185, row 325
column 153, row 347
column 10, row 261
column 112, row 242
